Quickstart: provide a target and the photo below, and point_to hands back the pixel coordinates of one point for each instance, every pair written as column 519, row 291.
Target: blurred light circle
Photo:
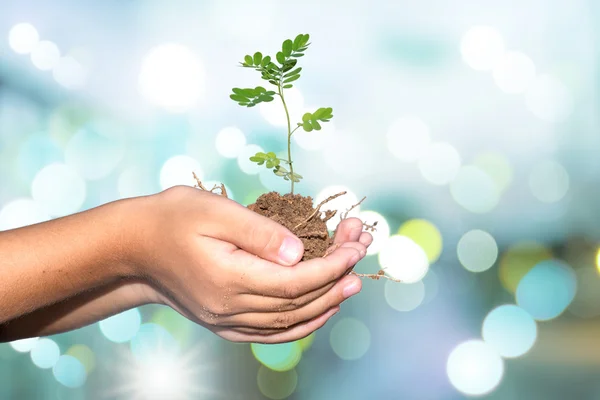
column 401, row 258
column 404, row 296
column 482, row 47
column 172, row 77
column 350, row 339
column 59, row 189
column 341, row 203
column 45, row 354
column 474, row 190
column 24, row 345
column 547, row 290
column 152, row 339
column 440, row 163
column 586, row 303
column 122, row 327
column 408, row 138
column 69, row 73
column 276, row 385
column 23, row 38
column 475, row 368
column 45, row 55
column 178, row 170
column 381, row 233
column 230, row 142
column 161, row 376
column 432, row 286
column 514, row 72
column 84, row 354
column 93, row 156
column 69, row 372
column 315, row 140
column 519, row 259
column 135, row 181
column 426, row 235
column 21, row 212
column 497, row 167
column 274, row 113
column 243, row 159
column 549, row 99
column 278, row 357
column 510, row 330
column 549, row 181
column 477, row 250
column 35, row 153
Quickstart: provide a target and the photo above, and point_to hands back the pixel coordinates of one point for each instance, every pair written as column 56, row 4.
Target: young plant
column 280, row 73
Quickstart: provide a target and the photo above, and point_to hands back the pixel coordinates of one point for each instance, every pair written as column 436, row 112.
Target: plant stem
column 289, row 138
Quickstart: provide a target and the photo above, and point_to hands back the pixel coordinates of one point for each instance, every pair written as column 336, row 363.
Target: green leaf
column 286, row 47
column 307, row 126
column 294, row 72
column 280, row 58
column 257, row 58
column 248, row 59
column 270, row 93
column 265, row 61
column 287, row 86
column 297, row 42
column 251, row 105
column 297, row 55
column 272, row 82
column 315, row 124
column 307, row 117
column 238, row 91
column 289, row 64
column 237, row 97
column 305, row 38
column 292, row 79
column 270, row 164
column 286, row 178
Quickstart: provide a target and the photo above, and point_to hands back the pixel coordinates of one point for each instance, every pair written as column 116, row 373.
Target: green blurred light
column 426, row 235
column 276, row 385
column 518, row 260
column 178, row 326
column 306, row 343
column 84, row 354
column 278, row 357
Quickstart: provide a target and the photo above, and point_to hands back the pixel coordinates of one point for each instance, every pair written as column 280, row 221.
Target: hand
column 236, row 272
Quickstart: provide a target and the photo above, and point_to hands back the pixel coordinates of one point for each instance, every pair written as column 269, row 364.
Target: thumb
column 255, row 233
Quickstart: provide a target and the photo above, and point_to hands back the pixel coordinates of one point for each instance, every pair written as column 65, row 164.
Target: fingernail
column 290, row 250
column 351, row 289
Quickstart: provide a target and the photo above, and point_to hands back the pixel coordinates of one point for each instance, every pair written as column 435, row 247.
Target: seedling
column 280, row 75
column 294, row 211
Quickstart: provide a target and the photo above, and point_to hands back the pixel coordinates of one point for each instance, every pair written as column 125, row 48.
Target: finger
column 348, row 230
column 258, row 235
column 273, row 280
column 290, row 335
column 345, row 288
column 366, row 239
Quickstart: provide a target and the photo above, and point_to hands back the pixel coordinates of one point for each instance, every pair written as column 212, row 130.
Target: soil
column 297, row 213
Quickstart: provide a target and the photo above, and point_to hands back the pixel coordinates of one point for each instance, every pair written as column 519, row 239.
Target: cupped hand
column 238, row 273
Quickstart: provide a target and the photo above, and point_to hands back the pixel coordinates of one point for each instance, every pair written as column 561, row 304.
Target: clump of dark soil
column 297, row 213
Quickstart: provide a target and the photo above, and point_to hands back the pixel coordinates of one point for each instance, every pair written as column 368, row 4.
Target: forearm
column 81, row 310
column 45, row 264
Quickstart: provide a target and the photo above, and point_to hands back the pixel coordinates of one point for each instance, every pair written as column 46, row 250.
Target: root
column 200, row 186
column 344, row 215
column 371, row 228
column 380, row 274
column 319, row 208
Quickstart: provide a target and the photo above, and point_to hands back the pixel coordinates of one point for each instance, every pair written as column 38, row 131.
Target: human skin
column 215, row 262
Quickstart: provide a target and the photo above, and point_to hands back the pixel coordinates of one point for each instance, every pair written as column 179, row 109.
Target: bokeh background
column 471, row 127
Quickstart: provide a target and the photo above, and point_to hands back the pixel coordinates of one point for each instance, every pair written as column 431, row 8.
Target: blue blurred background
column 471, row 127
